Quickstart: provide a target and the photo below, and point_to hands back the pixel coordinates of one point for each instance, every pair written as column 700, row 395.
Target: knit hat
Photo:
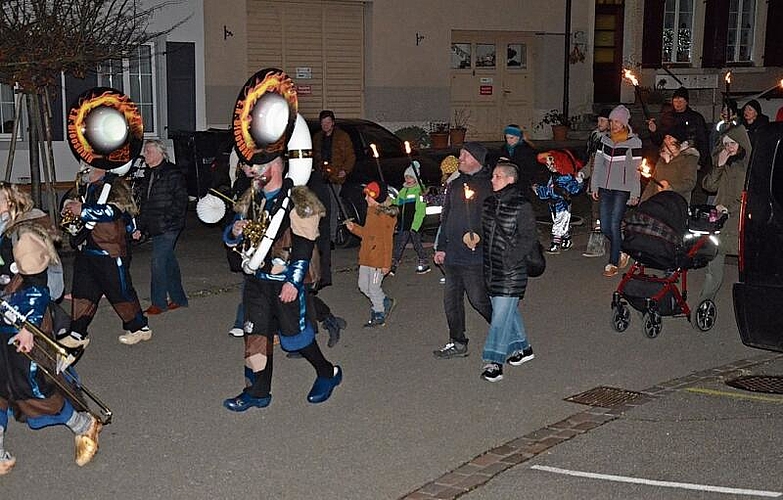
column 31, row 254
column 604, row 113
column 513, row 130
column 753, row 104
column 413, row 170
column 377, row 191
column 678, row 131
column 476, row 150
column 620, row 114
column 681, row 92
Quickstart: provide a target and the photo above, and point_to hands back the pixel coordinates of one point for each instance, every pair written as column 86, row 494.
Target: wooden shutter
column 773, row 45
column 652, row 40
column 716, row 30
column 325, row 36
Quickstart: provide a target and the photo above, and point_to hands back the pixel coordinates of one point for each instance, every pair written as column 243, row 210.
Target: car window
column 388, row 144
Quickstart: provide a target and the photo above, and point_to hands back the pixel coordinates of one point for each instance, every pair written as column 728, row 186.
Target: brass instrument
column 48, row 352
column 70, row 222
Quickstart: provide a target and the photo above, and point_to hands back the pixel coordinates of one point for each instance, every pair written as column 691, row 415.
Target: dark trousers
column 402, row 240
column 461, row 280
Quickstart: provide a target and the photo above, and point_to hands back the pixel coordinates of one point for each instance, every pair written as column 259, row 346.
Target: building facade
column 408, row 62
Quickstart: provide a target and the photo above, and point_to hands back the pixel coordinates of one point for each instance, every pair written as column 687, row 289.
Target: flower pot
column 439, row 140
column 457, row 136
column 559, row 132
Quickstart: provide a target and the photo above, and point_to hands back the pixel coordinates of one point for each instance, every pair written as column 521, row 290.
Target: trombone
column 64, row 377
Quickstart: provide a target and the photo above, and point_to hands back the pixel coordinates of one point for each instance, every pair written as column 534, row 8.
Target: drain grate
column 771, row 384
column 605, row 397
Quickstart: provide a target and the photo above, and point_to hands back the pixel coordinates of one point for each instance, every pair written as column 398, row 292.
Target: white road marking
column 665, row 484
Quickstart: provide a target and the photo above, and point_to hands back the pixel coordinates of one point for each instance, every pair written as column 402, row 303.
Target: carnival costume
column 276, row 244
column 24, row 386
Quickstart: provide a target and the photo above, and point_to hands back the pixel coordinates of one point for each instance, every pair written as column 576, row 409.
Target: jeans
column 506, row 331
column 459, row 281
column 166, row 278
column 612, row 210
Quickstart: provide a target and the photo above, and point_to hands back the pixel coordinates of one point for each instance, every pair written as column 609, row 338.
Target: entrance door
column 491, row 80
column 608, row 53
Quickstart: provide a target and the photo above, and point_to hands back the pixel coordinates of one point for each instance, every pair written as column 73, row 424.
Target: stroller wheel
column 705, row 315
column 651, row 323
column 621, row 318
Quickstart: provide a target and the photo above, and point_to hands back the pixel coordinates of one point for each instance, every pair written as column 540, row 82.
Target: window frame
column 107, row 79
column 737, row 28
column 7, row 136
column 672, row 60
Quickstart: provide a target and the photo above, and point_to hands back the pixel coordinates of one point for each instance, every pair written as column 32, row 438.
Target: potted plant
column 415, row 135
column 439, row 135
column 459, row 126
column 559, row 123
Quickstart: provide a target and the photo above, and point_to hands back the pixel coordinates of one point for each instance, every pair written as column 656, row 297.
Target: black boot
column 333, row 325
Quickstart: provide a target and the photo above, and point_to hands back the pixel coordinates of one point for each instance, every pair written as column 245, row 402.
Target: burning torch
column 647, row 173
column 628, row 75
column 727, row 83
column 377, row 161
column 470, row 238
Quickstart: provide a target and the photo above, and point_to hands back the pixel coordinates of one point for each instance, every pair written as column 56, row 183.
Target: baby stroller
column 663, row 234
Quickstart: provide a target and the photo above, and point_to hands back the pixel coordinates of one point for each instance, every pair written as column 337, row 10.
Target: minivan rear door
column 758, row 296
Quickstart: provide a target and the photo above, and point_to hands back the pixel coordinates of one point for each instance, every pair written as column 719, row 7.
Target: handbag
column 535, row 260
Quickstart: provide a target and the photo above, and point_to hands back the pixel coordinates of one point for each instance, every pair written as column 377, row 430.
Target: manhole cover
column 771, row 384
column 605, row 397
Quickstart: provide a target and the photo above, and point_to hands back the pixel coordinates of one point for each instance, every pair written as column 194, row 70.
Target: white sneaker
column 72, row 342
column 131, row 338
column 236, row 332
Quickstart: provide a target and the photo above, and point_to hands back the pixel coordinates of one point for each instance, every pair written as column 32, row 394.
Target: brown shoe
column 87, row 443
column 173, row 305
column 153, row 310
column 7, row 463
column 610, row 270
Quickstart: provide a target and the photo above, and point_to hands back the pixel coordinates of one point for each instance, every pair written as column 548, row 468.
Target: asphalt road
column 402, row 419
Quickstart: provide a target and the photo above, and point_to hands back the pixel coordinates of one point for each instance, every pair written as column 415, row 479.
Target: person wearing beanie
column 595, row 243
column 681, row 114
column 375, row 252
column 753, row 118
column 615, row 182
column 23, row 385
column 521, row 152
column 676, row 168
column 413, row 208
column 459, row 248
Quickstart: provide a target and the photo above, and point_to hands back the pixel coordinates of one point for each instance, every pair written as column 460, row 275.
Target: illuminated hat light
column 105, row 129
column 264, row 115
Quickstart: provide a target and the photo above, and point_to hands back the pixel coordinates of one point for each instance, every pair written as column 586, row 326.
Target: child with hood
column 413, row 208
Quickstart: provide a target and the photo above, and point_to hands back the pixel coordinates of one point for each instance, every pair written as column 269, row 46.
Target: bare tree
column 40, row 39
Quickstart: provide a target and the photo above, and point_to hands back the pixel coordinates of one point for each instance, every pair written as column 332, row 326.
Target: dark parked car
column 758, row 295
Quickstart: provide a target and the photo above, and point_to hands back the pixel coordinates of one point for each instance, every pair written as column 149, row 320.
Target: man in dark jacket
column 164, row 204
column 509, row 229
column 459, row 247
column 682, row 115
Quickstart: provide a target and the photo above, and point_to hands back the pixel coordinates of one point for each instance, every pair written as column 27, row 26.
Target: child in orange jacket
column 375, row 253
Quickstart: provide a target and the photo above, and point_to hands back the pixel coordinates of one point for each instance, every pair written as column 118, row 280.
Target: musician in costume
column 101, row 263
column 17, row 207
column 23, row 386
column 275, row 294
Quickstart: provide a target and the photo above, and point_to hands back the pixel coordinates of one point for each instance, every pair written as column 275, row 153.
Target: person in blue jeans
column 162, row 216
column 615, row 182
column 509, row 231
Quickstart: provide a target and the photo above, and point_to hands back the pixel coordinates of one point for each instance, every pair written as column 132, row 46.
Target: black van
column 758, row 296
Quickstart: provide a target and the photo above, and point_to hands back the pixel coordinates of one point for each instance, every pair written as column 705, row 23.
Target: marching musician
column 101, row 263
column 274, row 296
column 22, row 385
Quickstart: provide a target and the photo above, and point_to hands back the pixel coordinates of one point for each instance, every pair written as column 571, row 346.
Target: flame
column 469, row 193
column 781, row 82
column 408, row 146
column 628, row 74
column 727, row 78
column 374, row 150
column 645, row 169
